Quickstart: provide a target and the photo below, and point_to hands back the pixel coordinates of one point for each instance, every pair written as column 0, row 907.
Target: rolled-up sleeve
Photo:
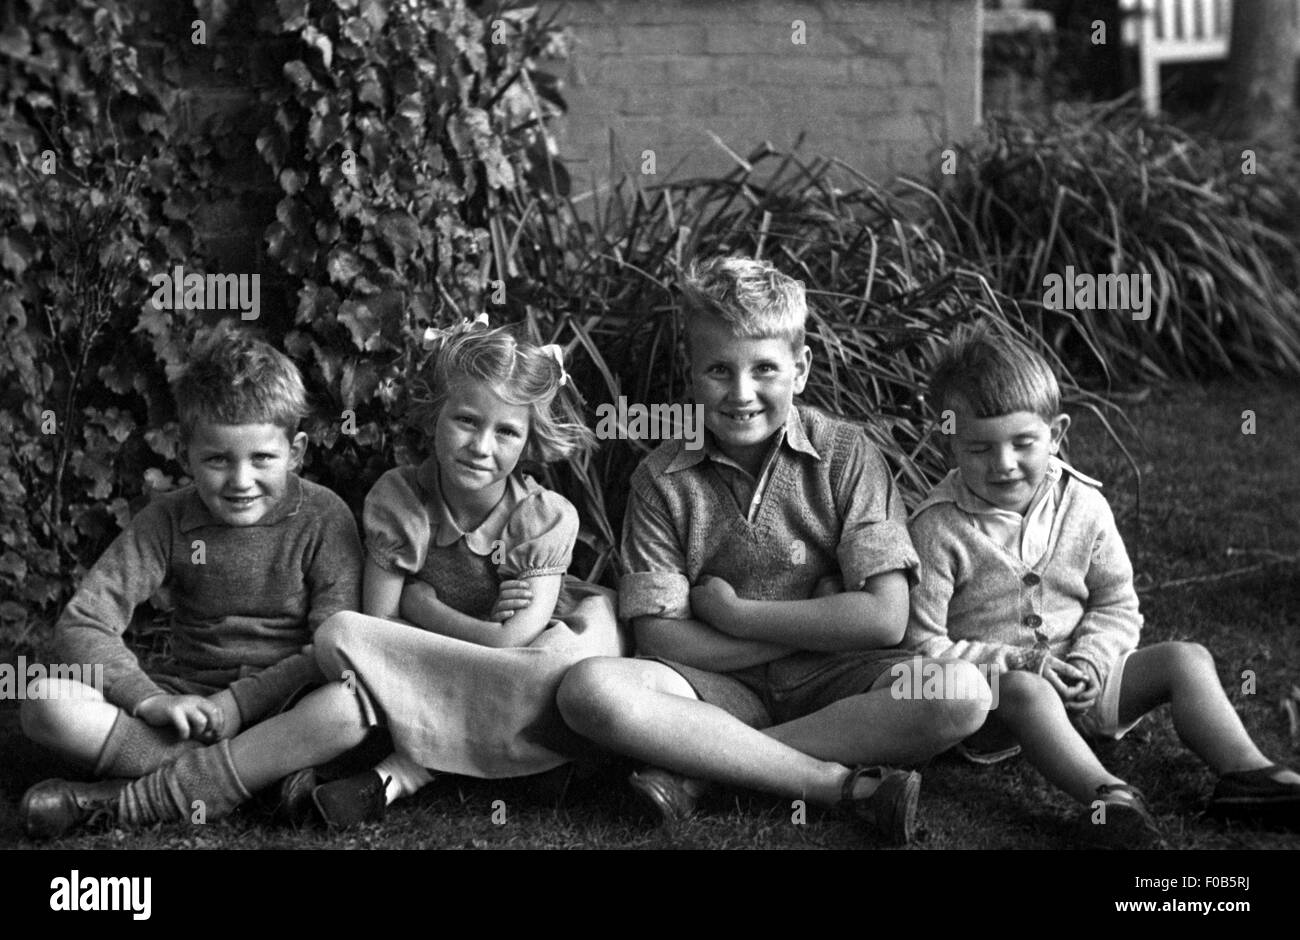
column 656, row 584
column 874, row 537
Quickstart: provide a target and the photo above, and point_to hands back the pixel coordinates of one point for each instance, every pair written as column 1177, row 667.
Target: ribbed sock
column 200, row 786
column 134, row 748
column 405, row 776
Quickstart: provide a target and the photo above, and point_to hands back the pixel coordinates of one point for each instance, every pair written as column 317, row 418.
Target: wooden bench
column 1174, row 31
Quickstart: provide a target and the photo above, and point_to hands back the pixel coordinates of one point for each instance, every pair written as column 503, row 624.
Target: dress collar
column 443, row 528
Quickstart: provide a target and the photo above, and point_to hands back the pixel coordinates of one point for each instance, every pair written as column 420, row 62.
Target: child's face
column 1004, row 459
column 241, row 471
column 479, row 438
column 746, row 386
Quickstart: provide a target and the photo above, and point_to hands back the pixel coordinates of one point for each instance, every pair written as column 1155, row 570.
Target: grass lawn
column 1216, row 552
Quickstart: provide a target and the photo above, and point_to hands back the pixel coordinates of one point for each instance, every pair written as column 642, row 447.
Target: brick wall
column 877, row 83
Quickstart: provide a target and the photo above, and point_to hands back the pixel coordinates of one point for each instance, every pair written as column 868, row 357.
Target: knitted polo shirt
column 829, row 508
column 979, row 602
column 247, row 597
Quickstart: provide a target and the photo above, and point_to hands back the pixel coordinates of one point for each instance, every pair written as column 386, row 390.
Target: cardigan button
column 1031, row 579
column 1033, row 620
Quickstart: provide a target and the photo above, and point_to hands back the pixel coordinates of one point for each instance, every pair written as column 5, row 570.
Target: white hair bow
column 433, row 335
column 557, row 353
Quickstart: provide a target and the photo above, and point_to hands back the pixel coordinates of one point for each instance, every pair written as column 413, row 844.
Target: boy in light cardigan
column 1024, row 571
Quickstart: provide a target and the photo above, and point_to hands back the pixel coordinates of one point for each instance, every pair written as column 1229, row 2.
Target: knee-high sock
column 134, row 748
column 403, row 776
column 200, row 785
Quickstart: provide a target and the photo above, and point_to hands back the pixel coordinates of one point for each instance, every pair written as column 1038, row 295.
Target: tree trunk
column 1257, row 102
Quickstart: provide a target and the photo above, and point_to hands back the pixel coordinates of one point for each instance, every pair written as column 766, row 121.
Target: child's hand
column 1063, row 677
column 1084, row 693
column 713, row 600
column 512, row 597
column 193, row 716
column 231, row 720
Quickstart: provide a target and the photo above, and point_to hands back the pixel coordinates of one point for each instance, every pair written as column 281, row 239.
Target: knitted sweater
column 247, row 597
column 830, row 507
column 979, row 602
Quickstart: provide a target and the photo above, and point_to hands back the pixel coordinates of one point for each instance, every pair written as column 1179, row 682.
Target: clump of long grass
column 1107, row 190
column 885, row 291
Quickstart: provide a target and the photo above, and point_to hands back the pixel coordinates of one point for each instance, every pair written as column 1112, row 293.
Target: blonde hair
column 522, row 373
column 750, row 296
column 236, row 378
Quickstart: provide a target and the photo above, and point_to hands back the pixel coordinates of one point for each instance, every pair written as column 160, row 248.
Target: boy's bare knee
column 585, row 693
column 1019, row 691
column 1191, row 657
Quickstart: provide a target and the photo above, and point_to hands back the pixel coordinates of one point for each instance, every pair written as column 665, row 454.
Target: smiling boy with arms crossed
column 731, row 551
column 256, row 558
column 1023, row 569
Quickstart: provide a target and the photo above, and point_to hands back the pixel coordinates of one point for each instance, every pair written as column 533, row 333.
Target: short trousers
column 1099, row 722
column 1102, row 720
column 790, row 687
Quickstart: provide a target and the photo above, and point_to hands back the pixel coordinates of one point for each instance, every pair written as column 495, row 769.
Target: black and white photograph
column 650, row 429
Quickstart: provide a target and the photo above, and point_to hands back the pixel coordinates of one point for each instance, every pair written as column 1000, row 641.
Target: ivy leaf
column 15, row 43
column 361, row 322
column 401, row 232
column 319, row 41
column 273, row 145
column 298, row 73
column 16, row 251
column 343, row 267
column 293, row 13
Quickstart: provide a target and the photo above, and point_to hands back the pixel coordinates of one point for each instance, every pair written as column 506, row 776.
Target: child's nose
column 742, row 389
column 1004, row 459
column 241, row 475
column 480, row 444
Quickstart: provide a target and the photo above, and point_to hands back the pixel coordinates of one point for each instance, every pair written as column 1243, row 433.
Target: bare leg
column 1036, row 717
column 322, row 726
column 1183, row 675
column 877, row 727
column 68, row 717
column 647, row 710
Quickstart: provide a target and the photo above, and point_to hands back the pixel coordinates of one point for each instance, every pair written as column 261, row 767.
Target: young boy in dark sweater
column 255, row 559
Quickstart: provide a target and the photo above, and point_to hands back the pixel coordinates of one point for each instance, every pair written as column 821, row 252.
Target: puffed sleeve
column 396, row 522
column 539, row 536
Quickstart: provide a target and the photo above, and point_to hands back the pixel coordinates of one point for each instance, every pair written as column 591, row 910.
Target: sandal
column 1126, row 823
column 891, row 807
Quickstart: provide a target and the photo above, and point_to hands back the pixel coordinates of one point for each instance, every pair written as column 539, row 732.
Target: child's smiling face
column 241, row 471
column 1004, row 459
column 478, row 439
column 746, row 385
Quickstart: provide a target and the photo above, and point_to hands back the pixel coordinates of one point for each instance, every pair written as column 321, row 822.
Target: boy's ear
column 297, row 450
column 1058, row 425
column 802, row 369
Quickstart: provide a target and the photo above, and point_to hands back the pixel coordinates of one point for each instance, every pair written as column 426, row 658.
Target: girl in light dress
column 469, row 620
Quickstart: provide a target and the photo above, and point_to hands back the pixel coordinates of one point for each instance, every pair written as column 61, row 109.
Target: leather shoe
column 53, row 808
column 891, row 807
column 352, row 800
column 665, row 795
